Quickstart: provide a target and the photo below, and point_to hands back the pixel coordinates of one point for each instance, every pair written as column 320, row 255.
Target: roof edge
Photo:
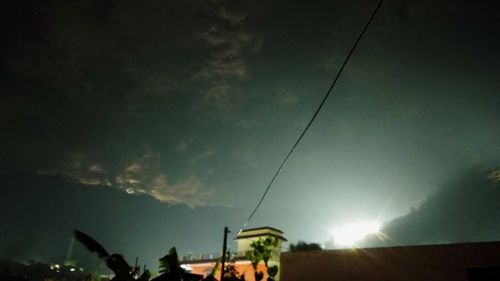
column 263, row 227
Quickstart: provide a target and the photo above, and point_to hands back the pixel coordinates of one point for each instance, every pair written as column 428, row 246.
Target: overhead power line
column 346, row 60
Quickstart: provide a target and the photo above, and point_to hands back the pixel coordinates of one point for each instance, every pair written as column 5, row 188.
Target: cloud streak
column 226, row 41
column 145, row 175
column 189, row 191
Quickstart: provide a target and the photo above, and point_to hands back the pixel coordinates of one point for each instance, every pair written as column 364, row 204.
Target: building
column 242, row 265
column 457, row 262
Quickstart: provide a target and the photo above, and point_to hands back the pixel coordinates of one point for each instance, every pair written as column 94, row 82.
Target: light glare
column 354, row 232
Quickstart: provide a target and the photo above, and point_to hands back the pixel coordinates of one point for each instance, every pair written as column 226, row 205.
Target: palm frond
column 90, row 244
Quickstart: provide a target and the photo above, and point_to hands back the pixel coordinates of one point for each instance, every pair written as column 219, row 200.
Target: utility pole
column 223, row 259
column 137, row 268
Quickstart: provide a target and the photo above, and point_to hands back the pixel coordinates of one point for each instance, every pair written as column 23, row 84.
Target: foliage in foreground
column 123, row 271
column 261, row 251
column 170, row 267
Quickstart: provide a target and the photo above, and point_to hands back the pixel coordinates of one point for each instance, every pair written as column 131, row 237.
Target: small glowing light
column 55, row 267
column 72, row 269
column 187, row 267
column 354, row 232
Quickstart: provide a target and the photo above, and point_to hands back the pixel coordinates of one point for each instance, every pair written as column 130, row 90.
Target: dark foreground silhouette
column 171, row 269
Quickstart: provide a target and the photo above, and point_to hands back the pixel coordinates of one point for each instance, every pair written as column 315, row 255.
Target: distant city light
column 349, row 234
column 55, row 267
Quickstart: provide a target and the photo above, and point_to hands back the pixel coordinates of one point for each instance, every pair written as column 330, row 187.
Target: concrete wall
column 429, row 263
column 243, row 267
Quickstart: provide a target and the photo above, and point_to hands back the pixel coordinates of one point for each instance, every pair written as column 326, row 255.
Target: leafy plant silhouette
column 230, row 271
column 123, row 271
column 171, row 269
column 261, row 251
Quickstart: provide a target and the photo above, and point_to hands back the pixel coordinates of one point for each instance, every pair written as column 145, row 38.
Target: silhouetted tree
column 304, row 246
column 261, row 251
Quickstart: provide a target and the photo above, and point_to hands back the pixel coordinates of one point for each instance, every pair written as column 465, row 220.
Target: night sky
column 149, row 124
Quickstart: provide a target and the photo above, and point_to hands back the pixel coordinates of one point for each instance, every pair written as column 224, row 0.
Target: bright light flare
column 354, row 232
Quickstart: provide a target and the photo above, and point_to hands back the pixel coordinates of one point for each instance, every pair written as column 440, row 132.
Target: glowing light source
column 354, row 232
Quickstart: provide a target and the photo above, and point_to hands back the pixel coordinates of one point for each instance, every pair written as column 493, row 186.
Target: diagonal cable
column 339, row 73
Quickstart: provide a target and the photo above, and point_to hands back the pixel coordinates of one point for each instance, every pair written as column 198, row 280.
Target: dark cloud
column 465, row 209
column 76, row 70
